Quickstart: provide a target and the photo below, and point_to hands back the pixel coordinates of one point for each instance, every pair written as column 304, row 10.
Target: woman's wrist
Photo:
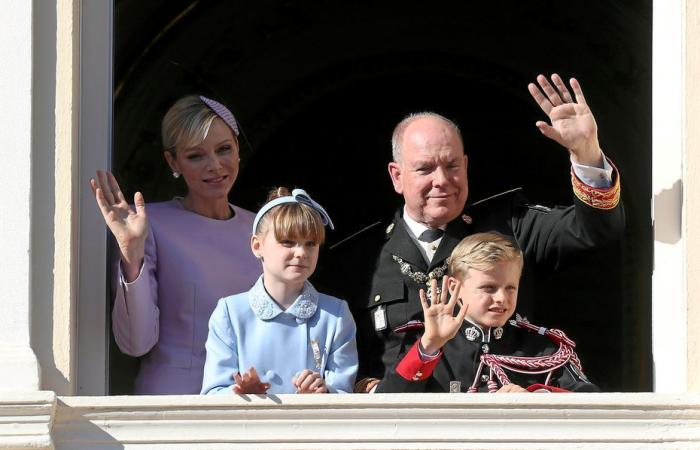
column 131, row 268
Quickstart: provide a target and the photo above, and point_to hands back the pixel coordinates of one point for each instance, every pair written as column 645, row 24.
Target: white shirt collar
column 416, row 228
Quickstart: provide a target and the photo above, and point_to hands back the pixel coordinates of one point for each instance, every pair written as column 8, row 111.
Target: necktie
column 431, row 235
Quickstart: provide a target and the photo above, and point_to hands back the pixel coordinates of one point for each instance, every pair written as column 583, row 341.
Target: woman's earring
column 176, row 175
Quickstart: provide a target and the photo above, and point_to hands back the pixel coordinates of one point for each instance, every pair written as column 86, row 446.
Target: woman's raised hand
column 128, row 225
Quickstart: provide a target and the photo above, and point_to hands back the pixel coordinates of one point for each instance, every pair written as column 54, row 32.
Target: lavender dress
column 191, row 261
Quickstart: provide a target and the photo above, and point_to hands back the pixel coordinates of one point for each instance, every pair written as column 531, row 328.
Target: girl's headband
column 222, row 112
column 298, row 196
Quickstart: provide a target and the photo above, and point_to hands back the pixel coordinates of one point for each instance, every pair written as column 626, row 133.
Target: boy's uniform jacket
column 457, row 368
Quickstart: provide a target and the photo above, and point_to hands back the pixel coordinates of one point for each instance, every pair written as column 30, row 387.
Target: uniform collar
column 474, row 333
column 401, row 244
column 416, row 228
column 265, row 308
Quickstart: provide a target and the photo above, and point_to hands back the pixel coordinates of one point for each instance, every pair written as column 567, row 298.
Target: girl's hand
column 440, row 323
column 309, row 382
column 249, row 383
column 128, row 225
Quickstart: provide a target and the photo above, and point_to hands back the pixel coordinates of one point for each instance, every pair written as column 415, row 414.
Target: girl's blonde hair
column 295, row 221
column 187, row 123
column 482, row 251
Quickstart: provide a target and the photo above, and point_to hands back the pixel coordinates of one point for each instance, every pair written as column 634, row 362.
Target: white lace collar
column 265, row 308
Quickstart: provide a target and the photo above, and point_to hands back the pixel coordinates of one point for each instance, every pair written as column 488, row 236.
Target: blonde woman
column 178, row 257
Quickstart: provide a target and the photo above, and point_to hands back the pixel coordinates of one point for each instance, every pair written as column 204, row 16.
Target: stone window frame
column 674, row 238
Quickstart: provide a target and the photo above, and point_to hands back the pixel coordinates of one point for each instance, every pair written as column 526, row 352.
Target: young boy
column 484, row 347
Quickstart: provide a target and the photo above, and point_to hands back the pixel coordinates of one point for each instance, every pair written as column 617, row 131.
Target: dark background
column 318, row 87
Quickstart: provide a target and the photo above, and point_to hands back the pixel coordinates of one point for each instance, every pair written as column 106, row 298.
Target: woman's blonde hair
column 295, row 221
column 482, row 251
column 187, row 123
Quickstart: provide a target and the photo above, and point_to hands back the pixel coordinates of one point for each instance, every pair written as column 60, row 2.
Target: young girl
column 282, row 336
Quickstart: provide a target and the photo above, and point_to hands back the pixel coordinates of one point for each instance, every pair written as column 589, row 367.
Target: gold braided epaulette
column 599, row 198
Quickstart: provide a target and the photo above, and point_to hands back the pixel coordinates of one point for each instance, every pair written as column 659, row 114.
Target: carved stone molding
column 26, row 420
column 429, row 421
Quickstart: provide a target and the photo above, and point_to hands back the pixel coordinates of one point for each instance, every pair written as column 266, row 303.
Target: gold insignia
column 467, row 219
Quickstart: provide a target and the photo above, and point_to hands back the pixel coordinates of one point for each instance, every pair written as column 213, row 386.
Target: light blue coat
column 316, row 332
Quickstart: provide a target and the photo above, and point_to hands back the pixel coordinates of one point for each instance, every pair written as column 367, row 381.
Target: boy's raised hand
column 249, row 383
column 441, row 324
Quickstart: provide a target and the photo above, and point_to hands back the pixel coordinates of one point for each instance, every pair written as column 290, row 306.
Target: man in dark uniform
column 429, row 169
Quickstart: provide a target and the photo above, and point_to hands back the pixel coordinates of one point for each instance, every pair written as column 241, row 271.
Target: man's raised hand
column 572, row 123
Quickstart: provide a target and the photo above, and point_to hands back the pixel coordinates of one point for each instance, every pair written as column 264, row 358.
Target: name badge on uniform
column 380, row 318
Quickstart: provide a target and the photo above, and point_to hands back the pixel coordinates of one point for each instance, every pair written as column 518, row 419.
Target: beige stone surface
column 67, row 183
column 692, row 188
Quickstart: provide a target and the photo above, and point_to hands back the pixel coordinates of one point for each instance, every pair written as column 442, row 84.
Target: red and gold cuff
column 599, row 198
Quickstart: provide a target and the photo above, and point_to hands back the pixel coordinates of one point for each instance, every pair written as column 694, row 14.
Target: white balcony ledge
column 428, row 421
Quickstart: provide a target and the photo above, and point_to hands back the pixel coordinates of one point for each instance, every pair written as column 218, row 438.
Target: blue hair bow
column 298, row 196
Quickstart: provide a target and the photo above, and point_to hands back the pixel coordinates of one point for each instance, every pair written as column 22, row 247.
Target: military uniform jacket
column 457, row 368
column 547, row 237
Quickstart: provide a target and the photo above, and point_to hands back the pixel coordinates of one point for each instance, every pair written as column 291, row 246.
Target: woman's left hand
column 309, row 382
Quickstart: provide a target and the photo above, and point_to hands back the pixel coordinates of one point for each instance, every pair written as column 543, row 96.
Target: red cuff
column 534, row 387
column 413, row 368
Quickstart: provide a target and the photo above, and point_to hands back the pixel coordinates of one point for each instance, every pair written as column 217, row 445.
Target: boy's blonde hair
column 295, row 221
column 482, row 251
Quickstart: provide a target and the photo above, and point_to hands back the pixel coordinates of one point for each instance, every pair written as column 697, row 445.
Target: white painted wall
column 669, row 344
column 18, row 365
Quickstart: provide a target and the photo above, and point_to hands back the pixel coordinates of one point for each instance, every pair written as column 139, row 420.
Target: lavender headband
column 222, row 112
column 298, row 196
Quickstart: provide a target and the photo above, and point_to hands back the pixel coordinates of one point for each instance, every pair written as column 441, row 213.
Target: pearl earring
column 176, row 175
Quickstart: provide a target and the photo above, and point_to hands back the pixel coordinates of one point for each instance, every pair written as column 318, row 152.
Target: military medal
column 379, row 318
column 316, row 349
column 430, row 293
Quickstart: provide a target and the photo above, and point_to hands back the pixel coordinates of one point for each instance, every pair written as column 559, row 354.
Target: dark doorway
column 318, row 87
